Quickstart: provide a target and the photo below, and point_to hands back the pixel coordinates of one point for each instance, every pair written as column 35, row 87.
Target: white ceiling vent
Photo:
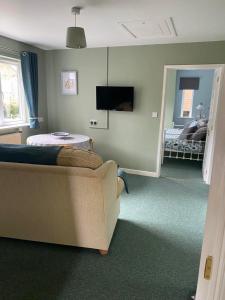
column 154, row 28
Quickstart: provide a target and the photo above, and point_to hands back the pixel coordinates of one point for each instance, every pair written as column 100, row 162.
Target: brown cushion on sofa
column 75, row 157
column 200, row 134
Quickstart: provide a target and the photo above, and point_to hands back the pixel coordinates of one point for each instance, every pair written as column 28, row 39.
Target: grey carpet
column 154, row 253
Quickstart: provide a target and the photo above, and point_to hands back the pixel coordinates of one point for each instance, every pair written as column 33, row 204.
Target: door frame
column 214, row 235
column 210, row 138
column 163, row 103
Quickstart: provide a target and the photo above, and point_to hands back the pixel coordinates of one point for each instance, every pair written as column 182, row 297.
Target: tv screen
column 114, row 98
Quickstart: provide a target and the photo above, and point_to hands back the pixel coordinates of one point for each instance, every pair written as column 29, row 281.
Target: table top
column 50, row 139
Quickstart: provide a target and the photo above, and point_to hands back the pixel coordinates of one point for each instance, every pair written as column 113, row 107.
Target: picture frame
column 69, row 83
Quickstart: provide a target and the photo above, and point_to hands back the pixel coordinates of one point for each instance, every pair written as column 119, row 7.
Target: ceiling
column 43, row 23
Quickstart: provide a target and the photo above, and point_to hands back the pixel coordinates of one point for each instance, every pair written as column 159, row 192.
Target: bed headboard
column 11, row 138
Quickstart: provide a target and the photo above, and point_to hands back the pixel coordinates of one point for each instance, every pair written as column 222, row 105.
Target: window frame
column 182, row 104
column 23, row 121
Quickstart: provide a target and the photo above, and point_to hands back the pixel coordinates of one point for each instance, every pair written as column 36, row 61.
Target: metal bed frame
column 170, row 152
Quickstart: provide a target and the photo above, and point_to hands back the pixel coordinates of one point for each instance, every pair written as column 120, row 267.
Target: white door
column 213, row 243
column 210, row 140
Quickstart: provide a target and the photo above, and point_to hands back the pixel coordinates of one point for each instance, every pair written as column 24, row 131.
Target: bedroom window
column 13, row 110
column 187, row 103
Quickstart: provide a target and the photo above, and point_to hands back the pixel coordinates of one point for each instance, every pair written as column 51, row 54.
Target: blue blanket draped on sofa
column 29, row 154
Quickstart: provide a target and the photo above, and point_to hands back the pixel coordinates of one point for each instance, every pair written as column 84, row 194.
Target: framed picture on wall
column 69, row 83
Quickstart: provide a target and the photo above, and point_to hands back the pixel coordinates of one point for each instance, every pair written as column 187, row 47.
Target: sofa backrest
column 63, row 170
column 58, row 204
column 50, row 155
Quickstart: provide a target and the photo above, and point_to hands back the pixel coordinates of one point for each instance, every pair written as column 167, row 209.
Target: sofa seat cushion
column 75, row 157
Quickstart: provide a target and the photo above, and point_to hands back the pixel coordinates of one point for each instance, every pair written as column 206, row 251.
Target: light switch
column 154, row 114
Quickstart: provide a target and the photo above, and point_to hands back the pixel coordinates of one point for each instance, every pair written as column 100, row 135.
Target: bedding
column 187, row 132
column 186, row 143
column 200, row 134
column 173, row 143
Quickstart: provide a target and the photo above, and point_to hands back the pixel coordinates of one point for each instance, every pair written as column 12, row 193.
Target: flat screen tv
column 120, row 98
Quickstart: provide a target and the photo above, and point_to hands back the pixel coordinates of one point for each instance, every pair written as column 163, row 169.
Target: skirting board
column 139, row 172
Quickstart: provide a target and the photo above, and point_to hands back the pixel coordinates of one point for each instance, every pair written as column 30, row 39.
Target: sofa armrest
column 108, row 166
column 108, row 174
column 120, row 186
column 111, row 204
column 110, row 170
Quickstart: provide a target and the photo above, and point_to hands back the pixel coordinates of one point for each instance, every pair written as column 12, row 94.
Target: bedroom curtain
column 29, row 66
column 189, row 83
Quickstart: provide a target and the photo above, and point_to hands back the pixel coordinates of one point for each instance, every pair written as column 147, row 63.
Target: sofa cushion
column 75, row 157
column 29, row 154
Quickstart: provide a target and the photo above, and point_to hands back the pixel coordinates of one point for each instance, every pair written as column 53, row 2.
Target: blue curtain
column 30, row 82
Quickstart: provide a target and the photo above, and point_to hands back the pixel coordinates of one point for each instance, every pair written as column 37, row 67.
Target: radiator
column 11, row 138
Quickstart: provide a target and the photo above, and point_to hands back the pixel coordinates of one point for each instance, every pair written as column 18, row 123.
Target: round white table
column 77, row 140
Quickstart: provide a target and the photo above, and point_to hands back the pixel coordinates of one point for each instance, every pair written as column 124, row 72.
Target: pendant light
column 75, row 37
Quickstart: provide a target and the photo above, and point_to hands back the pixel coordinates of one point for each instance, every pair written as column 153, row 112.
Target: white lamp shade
column 75, row 38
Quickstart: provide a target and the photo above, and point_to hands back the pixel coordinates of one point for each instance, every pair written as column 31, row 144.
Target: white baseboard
column 139, row 172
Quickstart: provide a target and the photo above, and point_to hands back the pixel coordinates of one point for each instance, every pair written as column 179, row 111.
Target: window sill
column 13, row 126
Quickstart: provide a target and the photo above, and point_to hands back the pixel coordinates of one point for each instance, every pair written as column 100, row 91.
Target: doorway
column 188, row 115
column 209, row 160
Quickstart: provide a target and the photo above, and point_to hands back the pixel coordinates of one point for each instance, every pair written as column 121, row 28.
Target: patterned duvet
column 173, row 144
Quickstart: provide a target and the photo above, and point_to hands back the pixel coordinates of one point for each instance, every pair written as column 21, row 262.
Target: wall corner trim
column 140, row 172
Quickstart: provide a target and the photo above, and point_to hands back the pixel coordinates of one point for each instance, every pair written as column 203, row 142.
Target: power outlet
column 93, row 123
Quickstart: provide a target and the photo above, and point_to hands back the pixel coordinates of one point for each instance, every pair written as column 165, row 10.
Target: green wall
column 12, row 48
column 170, row 96
column 132, row 138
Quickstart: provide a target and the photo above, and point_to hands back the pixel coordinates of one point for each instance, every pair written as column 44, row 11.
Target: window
column 12, row 101
column 187, row 102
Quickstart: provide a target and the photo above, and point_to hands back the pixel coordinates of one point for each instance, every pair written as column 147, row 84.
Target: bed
column 177, row 147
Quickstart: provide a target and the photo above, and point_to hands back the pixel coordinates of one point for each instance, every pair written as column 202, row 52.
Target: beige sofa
column 63, row 205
